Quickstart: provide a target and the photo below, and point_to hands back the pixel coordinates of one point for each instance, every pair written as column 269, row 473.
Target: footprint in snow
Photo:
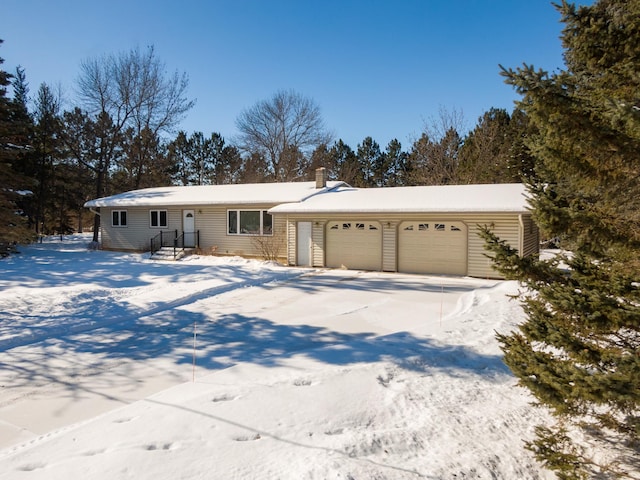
column 223, row 398
column 30, row 467
column 243, row 438
column 302, row 382
column 124, row 419
column 157, row 446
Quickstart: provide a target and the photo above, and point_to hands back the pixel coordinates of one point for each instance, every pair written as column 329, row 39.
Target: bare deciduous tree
column 275, row 128
column 134, row 92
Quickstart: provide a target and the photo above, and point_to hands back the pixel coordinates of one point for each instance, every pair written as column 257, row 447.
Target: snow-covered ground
column 291, row 374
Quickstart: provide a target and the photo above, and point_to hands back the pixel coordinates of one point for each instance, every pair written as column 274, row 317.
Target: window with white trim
column 249, row 222
column 158, row 218
column 118, row 218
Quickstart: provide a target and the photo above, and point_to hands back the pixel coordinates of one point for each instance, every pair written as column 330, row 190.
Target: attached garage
column 432, row 246
column 427, row 230
column 354, row 244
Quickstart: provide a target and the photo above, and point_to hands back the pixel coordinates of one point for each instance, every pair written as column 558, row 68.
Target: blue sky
column 376, row 68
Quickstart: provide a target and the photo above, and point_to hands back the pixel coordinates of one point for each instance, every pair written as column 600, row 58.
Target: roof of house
column 442, row 198
column 236, row 194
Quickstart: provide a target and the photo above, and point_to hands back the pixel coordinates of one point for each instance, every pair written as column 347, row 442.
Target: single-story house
column 222, row 219
column 423, row 229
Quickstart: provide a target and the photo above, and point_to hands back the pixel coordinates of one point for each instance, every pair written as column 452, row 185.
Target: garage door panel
column 355, row 245
column 438, row 247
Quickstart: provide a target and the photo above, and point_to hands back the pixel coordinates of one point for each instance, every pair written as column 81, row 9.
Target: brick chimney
column 321, row 177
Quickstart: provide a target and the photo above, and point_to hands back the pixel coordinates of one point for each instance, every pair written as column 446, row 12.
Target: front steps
column 166, row 254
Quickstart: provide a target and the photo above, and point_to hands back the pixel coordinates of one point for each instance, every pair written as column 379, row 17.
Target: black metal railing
column 172, row 239
column 163, row 239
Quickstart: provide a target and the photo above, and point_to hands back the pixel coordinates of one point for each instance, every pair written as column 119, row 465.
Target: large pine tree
column 14, row 143
column 579, row 349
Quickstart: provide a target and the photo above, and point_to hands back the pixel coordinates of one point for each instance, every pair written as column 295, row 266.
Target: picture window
column 249, row 222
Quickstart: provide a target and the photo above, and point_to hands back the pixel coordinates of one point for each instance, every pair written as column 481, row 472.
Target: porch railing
column 171, row 238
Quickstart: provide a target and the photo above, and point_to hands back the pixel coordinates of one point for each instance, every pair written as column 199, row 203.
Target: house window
column 439, row 227
column 249, row 222
column 158, row 218
column 119, row 218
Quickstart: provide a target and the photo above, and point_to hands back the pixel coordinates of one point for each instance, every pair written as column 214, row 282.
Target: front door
column 189, row 228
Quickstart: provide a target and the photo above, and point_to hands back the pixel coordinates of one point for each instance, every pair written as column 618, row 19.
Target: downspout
column 521, row 239
column 96, row 244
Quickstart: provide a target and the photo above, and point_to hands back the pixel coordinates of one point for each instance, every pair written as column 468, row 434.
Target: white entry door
column 189, row 228
column 303, row 244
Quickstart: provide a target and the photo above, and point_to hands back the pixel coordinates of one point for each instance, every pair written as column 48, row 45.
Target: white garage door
column 355, row 245
column 432, row 247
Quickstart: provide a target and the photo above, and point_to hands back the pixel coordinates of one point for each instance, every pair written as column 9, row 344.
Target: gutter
column 94, row 211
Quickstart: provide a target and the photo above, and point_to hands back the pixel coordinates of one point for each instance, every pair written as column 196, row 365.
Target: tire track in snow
column 87, row 324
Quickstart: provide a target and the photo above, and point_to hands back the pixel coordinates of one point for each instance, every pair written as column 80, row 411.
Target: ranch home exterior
column 221, row 219
column 431, row 229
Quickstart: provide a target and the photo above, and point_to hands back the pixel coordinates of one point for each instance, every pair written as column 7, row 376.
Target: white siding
column 138, row 232
column 292, row 242
column 211, row 222
column 318, row 239
column 505, row 226
column 389, row 246
column 530, row 236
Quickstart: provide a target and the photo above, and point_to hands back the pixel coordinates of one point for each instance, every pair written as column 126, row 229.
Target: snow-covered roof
column 236, row 194
column 442, row 198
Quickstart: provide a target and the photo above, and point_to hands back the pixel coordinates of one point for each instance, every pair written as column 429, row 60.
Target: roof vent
column 321, row 177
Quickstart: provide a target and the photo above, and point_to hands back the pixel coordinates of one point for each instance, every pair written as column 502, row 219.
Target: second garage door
column 355, row 245
column 438, row 247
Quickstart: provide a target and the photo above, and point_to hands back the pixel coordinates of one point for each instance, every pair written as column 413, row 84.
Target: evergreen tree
column 370, row 160
column 200, row 160
column 345, row 164
column 14, row 145
column 485, row 156
column 178, row 152
column 93, row 145
column 578, row 350
column 435, row 162
column 48, row 154
column 20, row 89
column 321, row 157
column 396, row 165
column 230, row 166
